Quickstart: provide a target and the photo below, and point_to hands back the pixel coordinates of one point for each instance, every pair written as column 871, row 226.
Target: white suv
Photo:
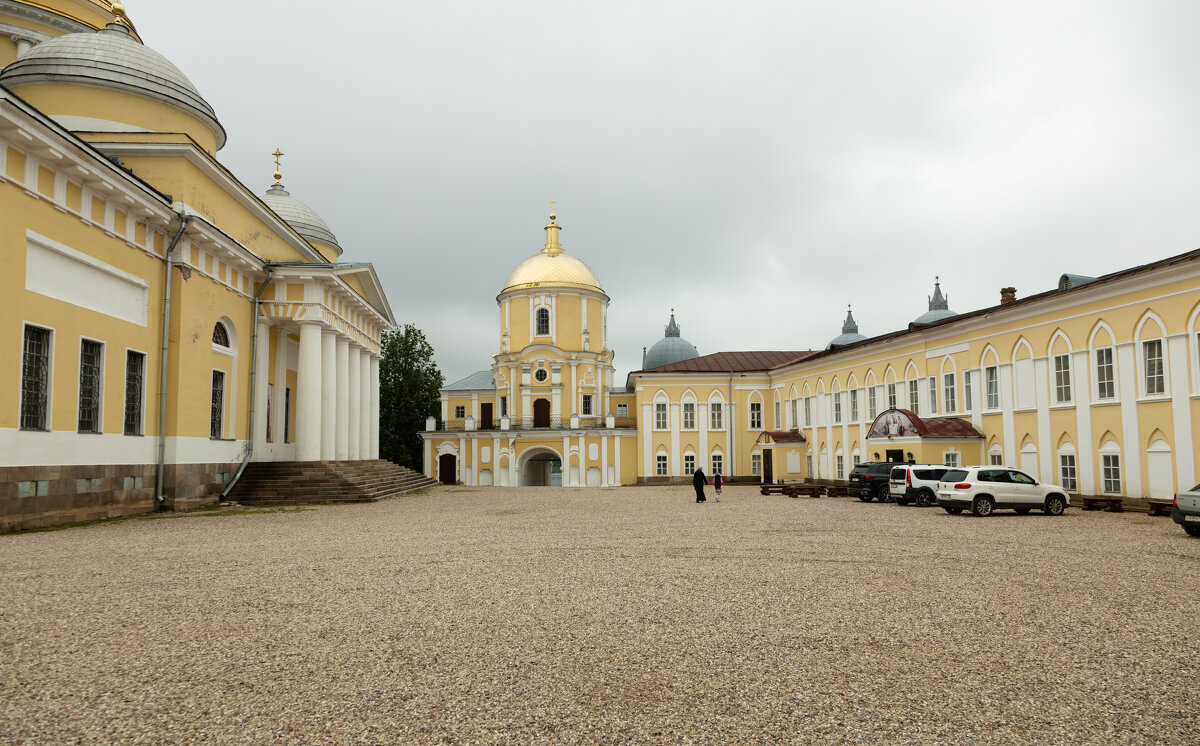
column 985, row 488
column 915, row 482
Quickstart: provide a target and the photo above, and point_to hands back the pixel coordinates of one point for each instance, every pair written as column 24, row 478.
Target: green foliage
column 408, row 393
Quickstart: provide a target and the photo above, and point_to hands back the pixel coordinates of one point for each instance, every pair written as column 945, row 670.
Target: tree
column 408, row 393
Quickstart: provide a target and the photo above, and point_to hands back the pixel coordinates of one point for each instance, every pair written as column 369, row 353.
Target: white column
column 329, row 382
column 373, row 451
column 364, row 404
column 308, row 394
column 261, row 363
column 341, row 441
column 354, row 397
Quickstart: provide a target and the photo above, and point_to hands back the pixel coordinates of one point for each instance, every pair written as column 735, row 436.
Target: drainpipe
column 253, row 376
column 160, row 501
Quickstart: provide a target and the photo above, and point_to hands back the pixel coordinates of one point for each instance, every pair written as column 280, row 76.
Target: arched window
column 542, row 322
column 220, row 335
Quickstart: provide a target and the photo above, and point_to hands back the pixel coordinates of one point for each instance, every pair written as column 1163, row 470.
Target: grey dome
column 111, row 58
column 670, row 349
column 849, row 333
column 302, row 218
column 939, row 306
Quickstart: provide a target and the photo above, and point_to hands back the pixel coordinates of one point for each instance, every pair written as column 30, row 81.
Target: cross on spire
column 278, row 174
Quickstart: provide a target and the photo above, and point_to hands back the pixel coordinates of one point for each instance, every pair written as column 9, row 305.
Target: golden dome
column 552, row 266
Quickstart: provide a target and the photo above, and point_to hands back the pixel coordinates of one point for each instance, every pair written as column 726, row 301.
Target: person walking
column 717, row 482
column 698, row 481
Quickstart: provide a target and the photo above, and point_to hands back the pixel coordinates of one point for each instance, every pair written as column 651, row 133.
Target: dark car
column 870, row 481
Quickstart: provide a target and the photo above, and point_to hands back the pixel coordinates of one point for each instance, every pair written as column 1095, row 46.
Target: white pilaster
column 308, row 394
column 373, row 451
column 261, row 364
column 1128, row 374
column 341, row 446
column 1084, row 451
column 364, row 405
column 328, row 394
column 354, row 403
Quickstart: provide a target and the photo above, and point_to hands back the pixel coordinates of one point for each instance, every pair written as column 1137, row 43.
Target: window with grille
column 35, row 379
column 755, row 415
column 914, row 397
column 716, row 416
column 217, row 417
column 220, row 335
column 992, row 381
column 837, row 407
column 542, row 317
column 689, row 463
column 854, row 405
column 717, row 463
column 660, row 415
column 1155, row 380
column 587, row 404
column 661, row 465
column 1066, row 471
column 135, row 372
column 1111, row 472
column 689, row 415
column 1062, row 378
column 91, row 353
column 950, row 393
column 1106, row 387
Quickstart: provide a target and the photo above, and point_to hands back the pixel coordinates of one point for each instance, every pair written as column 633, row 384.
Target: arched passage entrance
column 539, row 467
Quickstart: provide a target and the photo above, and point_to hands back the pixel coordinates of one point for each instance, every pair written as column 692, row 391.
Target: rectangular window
column 755, row 415
column 504, row 406
column 460, row 411
column 35, row 379
column 914, row 397
column 1111, row 471
column 717, row 463
column 841, row 466
column 792, row 408
column 1106, row 387
column 135, row 372
column 778, row 417
column 992, row 381
column 660, row 415
column 856, row 459
column 837, row 407
column 689, row 463
column 1155, row 380
column 933, row 397
column 661, row 465
column 587, row 404
column 1066, row 471
column 1062, row 378
column 622, row 410
column 891, row 396
column 872, row 405
column 808, row 411
column 967, row 391
column 950, row 459
column 854, row 405
column 950, row 393
column 756, row 464
column 716, row 416
column 91, row 355
column 995, row 459
column 217, row 417
column 689, row 416
column 542, row 321
column 808, row 465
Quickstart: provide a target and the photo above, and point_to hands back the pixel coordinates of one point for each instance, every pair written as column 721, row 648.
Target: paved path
column 523, row 615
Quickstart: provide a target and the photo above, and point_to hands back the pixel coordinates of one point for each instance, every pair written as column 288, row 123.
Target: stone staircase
column 290, row 482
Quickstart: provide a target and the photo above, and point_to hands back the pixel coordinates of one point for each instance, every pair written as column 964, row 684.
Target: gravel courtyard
column 632, row 615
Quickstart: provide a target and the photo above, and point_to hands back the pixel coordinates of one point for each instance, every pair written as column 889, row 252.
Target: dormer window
column 542, row 322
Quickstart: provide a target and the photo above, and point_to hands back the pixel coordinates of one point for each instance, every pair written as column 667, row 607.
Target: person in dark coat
column 698, row 481
column 718, row 481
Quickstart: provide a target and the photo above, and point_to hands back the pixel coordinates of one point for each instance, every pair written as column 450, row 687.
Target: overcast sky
column 755, row 165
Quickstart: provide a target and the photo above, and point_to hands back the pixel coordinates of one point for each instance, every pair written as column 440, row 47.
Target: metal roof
column 474, row 382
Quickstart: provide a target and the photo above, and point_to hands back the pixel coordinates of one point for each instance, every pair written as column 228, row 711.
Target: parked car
column 915, row 483
column 983, row 489
column 870, row 481
column 1186, row 511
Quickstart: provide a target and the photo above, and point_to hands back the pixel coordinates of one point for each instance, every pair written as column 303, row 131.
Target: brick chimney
column 1007, row 295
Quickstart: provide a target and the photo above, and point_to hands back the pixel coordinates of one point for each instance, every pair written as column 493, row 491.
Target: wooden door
column 447, row 468
column 541, row 413
column 485, row 416
column 768, row 475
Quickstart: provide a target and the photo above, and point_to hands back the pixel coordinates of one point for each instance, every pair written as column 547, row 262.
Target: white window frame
column 1062, row 378
column 755, row 421
column 1110, row 472
column 1105, row 384
column 756, row 464
column 778, row 416
column 622, row 410
column 1068, row 473
column 967, row 405
column 991, row 383
column 891, row 395
column 688, row 415
column 1154, row 382
column 716, row 415
column 460, row 411
column 689, row 463
column 661, row 465
column 808, row 411
column 537, row 330
column 662, row 419
column 933, row 395
column 914, row 397
column 585, row 406
column 840, row 461
column 950, row 392
column 837, row 407
column 717, row 462
column 951, row 459
column 872, row 404
column 854, row 405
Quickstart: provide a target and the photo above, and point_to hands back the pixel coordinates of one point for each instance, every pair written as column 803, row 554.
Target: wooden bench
column 775, row 489
column 837, row 491
column 1097, row 502
column 1160, row 506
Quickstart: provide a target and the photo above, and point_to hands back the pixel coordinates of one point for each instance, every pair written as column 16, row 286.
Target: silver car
column 1186, row 511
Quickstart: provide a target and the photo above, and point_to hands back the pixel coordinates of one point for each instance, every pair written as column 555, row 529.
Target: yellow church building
column 1094, row 384
column 166, row 325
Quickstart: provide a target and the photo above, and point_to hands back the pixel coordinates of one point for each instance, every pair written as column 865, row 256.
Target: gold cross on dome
column 278, row 174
